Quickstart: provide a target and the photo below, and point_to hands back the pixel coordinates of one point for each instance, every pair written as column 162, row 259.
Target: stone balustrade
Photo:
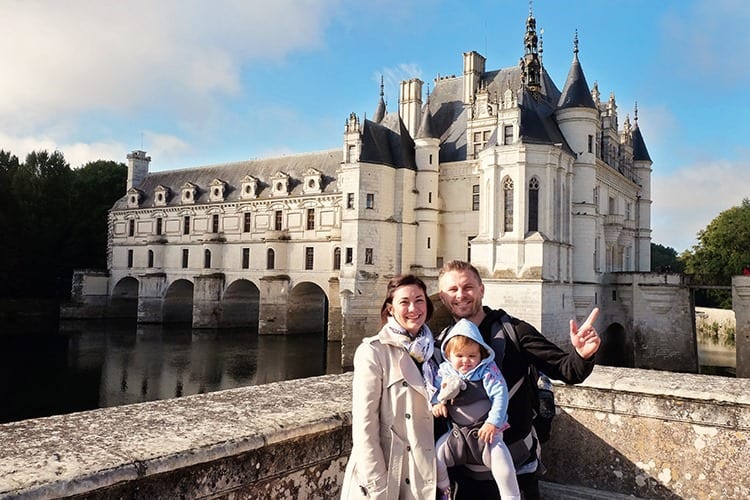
column 644, row 433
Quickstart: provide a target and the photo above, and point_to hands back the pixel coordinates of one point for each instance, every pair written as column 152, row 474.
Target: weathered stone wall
column 644, row 433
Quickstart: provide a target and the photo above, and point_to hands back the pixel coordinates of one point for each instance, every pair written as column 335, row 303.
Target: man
column 462, row 292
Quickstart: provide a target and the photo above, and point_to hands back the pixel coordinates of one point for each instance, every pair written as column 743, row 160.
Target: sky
column 197, row 83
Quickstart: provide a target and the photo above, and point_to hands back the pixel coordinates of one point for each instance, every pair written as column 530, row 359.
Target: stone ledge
column 73, row 454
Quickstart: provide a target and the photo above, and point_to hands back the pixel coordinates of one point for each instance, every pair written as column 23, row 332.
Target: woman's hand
column 439, row 410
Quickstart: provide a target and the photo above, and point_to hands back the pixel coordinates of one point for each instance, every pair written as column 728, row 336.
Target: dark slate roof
column 379, row 111
column 326, row 162
column 425, row 128
column 538, row 124
column 640, row 153
column 576, row 93
column 388, row 143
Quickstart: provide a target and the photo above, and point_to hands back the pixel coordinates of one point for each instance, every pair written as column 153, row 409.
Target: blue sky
column 198, row 83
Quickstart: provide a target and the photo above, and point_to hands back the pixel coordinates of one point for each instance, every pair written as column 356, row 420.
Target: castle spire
column 380, row 110
column 530, row 63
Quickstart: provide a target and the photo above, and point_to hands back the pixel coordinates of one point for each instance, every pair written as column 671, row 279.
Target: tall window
column 186, row 225
column 159, row 225
column 337, row 258
column 349, row 255
column 246, row 220
column 245, row 258
column 351, row 153
column 270, row 259
column 508, row 134
column 475, row 197
column 130, row 258
column 215, row 223
column 508, row 203
column 370, row 203
column 349, row 200
column 207, row 258
column 185, row 258
column 479, row 140
column 131, row 227
column 534, row 204
column 591, row 143
column 277, row 220
column 612, row 206
column 310, row 218
column 368, row 256
column 150, row 258
column 309, row 255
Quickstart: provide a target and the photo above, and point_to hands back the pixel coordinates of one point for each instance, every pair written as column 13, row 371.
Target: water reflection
column 99, row 364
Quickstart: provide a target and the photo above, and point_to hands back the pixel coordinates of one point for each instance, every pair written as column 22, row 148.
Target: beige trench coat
column 393, row 451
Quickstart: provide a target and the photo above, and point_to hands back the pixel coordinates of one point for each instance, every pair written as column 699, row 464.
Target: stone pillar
column 741, row 306
column 151, row 297
column 207, row 300
column 335, row 320
column 274, row 299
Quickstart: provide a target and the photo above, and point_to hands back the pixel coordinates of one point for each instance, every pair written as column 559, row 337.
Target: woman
column 393, row 451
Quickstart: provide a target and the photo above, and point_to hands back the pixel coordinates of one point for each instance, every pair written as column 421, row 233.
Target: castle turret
column 578, row 118
column 642, row 168
column 380, row 110
column 137, row 168
column 427, row 150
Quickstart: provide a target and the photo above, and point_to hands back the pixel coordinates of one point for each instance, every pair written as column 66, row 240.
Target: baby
column 477, row 412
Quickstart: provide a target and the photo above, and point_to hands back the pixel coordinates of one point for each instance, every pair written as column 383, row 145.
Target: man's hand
column 439, row 410
column 585, row 339
column 487, row 432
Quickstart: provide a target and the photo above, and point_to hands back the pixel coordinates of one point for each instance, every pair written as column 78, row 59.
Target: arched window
column 534, row 204
column 207, row 258
column 150, row 258
column 337, row 258
column 270, row 259
column 508, row 203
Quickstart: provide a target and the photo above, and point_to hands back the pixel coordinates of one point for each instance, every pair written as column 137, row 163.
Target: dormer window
column 249, row 188
column 161, row 195
column 312, row 182
column 188, row 192
column 217, row 190
column 280, row 184
column 134, row 197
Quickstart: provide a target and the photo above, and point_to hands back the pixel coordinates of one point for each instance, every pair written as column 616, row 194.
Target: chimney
column 137, row 168
column 410, row 104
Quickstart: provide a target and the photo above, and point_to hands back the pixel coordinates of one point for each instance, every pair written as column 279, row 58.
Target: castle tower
column 427, row 209
column 642, row 166
column 578, row 118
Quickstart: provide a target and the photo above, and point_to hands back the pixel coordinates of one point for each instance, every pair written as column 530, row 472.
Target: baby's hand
column 487, row 432
column 439, row 410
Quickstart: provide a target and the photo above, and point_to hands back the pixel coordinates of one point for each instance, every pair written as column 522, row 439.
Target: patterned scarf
column 420, row 348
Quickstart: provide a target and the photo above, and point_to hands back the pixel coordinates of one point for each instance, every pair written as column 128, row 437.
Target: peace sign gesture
column 585, row 339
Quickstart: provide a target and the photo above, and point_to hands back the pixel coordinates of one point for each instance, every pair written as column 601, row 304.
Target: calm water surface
column 88, row 365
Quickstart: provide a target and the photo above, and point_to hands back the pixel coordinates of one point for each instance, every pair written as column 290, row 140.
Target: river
column 97, row 364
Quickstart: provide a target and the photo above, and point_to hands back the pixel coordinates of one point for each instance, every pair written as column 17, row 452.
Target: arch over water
column 178, row 302
column 241, row 305
column 124, row 300
column 616, row 348
column 307, row 309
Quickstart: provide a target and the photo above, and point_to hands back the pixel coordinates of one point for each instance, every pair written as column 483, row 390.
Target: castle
column 540, row 188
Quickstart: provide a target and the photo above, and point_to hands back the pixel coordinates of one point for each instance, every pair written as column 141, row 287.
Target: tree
column 723, row 250
column 665, row 258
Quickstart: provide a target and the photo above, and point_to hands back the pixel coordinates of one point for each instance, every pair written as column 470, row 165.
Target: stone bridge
column 624, row 432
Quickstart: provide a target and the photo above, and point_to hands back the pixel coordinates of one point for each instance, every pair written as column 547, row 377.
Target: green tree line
column 53, row 219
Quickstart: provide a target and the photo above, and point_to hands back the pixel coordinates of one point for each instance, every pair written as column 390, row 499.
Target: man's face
column 462, row 293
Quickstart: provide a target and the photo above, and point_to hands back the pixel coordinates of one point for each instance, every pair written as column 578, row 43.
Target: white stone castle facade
column 543, row 189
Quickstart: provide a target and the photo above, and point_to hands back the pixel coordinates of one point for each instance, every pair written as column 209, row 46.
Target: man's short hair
column 459, row 265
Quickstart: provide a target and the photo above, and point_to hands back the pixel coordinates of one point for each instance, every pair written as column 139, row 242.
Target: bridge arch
column 616, row 348
column 241, row 305
column 178, row 302
column 307, row 309
column 123, row 302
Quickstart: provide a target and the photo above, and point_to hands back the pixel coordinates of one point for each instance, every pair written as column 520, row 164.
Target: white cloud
column 688, row 199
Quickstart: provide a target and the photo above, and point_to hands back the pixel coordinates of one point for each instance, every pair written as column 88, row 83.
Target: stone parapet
column 641, row 433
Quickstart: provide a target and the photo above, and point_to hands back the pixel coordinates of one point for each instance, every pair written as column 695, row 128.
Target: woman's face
column 409, row 308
